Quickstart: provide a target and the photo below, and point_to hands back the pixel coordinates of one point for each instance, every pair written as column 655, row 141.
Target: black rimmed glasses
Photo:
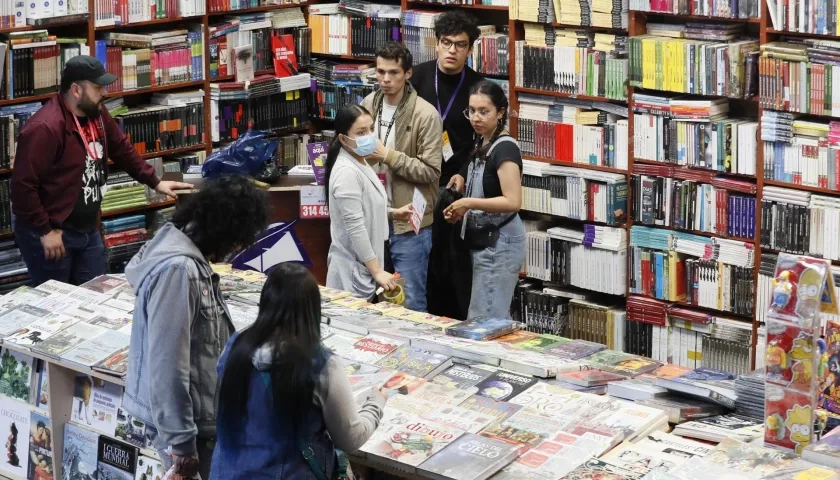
column 459, row 46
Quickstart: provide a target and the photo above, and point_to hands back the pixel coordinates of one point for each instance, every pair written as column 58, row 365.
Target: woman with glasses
column 489, row 211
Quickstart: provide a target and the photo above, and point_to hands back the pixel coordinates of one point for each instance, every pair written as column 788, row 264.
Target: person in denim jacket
column 181, row 322
column 284, row 395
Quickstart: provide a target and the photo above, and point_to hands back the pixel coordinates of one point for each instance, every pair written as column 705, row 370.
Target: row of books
column 267, row 103
column 12, row 120
column 706, row 8
column 692, row 205
column 342, row 34
column 592, row 257
column 575, row 193
column 800, row 151
column 570, row 131
column 13, row 271
column 797, row 76
column 124, row 12
column 692, row 66
column 171, row 121
column 800, row 222
column 818, row 17
column 664, row 131
column 574, row 67
column 145, row 61
column 31, row 62
column 613, row 15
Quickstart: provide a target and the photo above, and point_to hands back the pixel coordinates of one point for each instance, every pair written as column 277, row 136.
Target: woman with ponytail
column 359, row 210
column 490, row 207
column 285, row 403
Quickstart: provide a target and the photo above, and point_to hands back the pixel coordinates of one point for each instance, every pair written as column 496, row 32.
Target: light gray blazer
column 358, row 226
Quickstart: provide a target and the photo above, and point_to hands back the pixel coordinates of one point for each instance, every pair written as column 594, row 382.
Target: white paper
column 419, row 204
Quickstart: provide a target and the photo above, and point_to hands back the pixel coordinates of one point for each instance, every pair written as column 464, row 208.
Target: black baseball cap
column 85, row 67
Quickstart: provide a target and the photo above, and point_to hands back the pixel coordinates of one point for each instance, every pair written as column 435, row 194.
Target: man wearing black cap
column 60, row 167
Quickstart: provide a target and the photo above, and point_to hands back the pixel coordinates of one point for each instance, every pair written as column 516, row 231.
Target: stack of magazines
column 750, row 390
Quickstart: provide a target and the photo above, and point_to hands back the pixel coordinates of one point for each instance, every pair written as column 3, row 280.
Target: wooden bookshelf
column 501, row 8
column 163, row 22
column 263, row 8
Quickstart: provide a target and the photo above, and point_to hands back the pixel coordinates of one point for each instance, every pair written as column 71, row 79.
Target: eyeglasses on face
column 459, row 46
column 482, row 114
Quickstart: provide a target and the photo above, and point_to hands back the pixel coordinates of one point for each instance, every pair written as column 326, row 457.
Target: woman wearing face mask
column 490, row 207
column 359, row 210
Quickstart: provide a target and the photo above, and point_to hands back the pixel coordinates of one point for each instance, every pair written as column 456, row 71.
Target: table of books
column 461, row 405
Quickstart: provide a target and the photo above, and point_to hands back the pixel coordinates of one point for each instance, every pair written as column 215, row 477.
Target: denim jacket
column 181, row 324
column 265, row 447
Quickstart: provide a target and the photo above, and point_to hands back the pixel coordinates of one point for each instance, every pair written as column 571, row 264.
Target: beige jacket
column 415, row 160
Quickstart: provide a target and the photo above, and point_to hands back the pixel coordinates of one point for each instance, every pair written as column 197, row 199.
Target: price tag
column 313, row 202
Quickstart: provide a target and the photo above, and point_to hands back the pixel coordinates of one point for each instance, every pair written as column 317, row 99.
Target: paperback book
column 462, row 377
column 416, row 361
column 706, row 383
column 410, row 442
column 502, row 386
column 96, row 403
column 40, row 447
column 470, row 457
column 483, row 329
column 80, row 451
column 116, row 460
column 15, row 419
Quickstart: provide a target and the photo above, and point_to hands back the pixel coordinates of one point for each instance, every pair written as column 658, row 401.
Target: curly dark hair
column 456, row 21
column 397, row 52
column 226, row 215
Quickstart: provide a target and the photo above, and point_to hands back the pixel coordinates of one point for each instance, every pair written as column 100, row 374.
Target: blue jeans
column 495, row 274
column 410, row 256
column 84, row 257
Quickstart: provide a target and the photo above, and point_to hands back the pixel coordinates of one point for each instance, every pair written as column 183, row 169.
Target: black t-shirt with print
column 85, row 214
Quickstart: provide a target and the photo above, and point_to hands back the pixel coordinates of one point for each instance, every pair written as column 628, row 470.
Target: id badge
column 446, row 148
column 383, row 177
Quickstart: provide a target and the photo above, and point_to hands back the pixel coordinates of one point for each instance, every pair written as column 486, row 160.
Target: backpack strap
column 501, row 139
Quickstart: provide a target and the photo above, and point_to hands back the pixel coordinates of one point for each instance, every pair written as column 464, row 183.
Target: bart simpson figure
column 799, row 424
column 803, row 353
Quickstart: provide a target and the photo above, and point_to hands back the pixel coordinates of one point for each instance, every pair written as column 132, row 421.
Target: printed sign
column 313, row 202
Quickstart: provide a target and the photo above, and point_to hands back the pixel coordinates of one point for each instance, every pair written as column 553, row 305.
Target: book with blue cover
column 707, row 383
column 483, row 329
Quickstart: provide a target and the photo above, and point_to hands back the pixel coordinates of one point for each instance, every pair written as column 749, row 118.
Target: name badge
column 446, row 148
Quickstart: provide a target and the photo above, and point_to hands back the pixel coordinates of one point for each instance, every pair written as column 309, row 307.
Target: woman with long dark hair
column 490, row 206
column 359, row 210
column 285, row 402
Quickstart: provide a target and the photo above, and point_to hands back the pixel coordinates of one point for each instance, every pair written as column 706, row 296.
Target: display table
column 284, row 206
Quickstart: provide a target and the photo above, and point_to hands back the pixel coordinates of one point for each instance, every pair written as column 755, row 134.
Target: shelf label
column 313, row 202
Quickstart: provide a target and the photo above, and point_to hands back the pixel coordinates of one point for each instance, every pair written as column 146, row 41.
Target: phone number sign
column 313, row 202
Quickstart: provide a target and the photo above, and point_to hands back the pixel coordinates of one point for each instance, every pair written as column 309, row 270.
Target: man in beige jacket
column 407, row 156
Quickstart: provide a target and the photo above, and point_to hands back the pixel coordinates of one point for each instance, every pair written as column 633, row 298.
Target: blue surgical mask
column 365, row 145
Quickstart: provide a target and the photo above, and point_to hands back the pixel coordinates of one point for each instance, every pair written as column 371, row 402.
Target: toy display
column 794, row 354
column 830, row 387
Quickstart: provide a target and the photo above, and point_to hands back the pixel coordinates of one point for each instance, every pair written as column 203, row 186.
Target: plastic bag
column 251, row 154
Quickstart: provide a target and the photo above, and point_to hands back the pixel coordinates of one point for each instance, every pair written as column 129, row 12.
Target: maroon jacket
column 50, row 162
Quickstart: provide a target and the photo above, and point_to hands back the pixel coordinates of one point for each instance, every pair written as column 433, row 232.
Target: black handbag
column 481, row 238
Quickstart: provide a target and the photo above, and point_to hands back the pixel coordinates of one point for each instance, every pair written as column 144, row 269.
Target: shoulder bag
column 485, row 237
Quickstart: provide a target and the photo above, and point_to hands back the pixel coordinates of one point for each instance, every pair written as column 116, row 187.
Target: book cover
column 632, row 419
column 244, row 55
column 80, row 450
column 17, row 372
column 15, row 419
column 285, row 60
column 330, row 294
column 547, row 398
column 95, row 403
column 358, row 368
column 149, row 469
column 501, row 386
column 40, row 447
column 486, row 405
column 19, row 317
column 576, row 349
column 116, row 460
column 440, row 394
column 683, row 409
column 415, row 361
column 547, row 460
column 68, row 338
column 97, row 349
column 116, row 363
column 105, row 284
column 410, row 442
column 403, row 384
column 751, row 459
column 657, row 451
column 527, row 427
column 43, row 395
column 596, row 469
column 708, row 383
column 717, row 428
column 484, row 329
column 461, row 418
column 317, row 152
column 369, row 349
column 41, row 329
column 130, row 429
column 463, row 377
column 588, row 378
column 635, row 389
column 470, row 457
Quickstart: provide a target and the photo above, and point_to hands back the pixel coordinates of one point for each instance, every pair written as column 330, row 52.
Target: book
column 682, row 409
column 15, row 419
column 749, row 459
column 594, row 468
column 130, row 429
column 588, row 378
column 18, row 372
column 715, row 429
column 635, row 389
column 96, row 403
column 461, row 418
column 657, row 451
column 824, row 452
column 486, row 405
column 576, row 349
column 80, row 451
column 707, row 383
column 416, row 361
column 501, row 385
column 549, row 459
column 40, row 447
column 463, row 377
column 369, row 349
column 483, row 329
column 409, row 441
column 470, row 457
column 440, row 394
column 67, row 339
column 97, row 349
column 116, row 460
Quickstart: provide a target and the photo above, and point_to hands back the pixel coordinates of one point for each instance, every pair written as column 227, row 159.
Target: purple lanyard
column 454, row 94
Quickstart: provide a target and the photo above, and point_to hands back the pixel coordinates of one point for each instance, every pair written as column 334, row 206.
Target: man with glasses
column 446, row 83
column 407, row 157
column 60, row 167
